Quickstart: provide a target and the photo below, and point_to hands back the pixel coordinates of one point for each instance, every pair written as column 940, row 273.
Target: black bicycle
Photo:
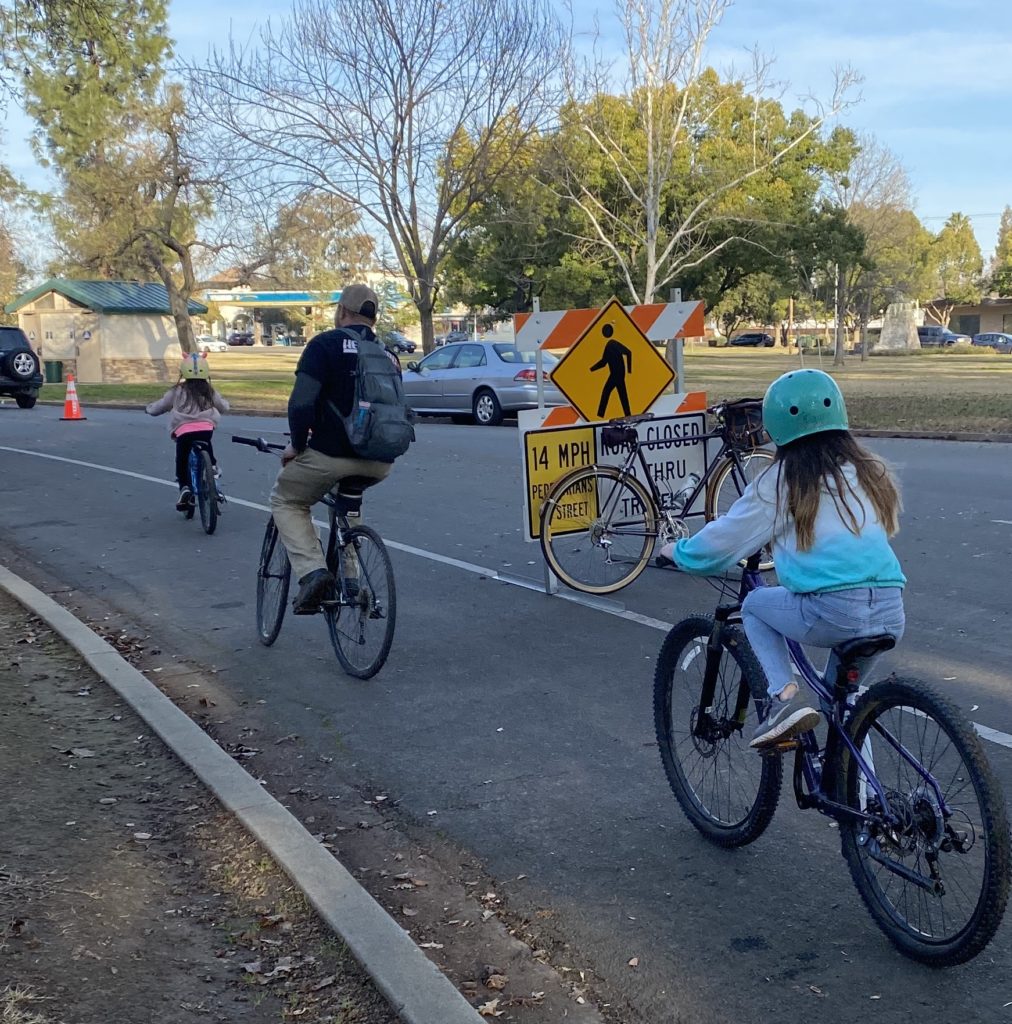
column 361, row 614
column 599, row 523
column 923, row 821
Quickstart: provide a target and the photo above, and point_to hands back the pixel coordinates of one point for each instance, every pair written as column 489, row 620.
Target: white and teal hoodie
column 837, row 560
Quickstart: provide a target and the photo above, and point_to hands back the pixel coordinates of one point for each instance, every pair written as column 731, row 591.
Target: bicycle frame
column 810, row 760
column 712, row 466
column 193, row 465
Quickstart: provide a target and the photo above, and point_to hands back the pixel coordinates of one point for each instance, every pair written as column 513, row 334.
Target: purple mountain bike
column 923, row 822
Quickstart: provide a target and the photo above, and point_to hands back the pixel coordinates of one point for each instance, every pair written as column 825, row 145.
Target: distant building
column 103, row 331
column 985, row 317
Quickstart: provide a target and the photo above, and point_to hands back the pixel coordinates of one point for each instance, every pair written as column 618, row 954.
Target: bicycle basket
column 618, row 437
column 743, row 423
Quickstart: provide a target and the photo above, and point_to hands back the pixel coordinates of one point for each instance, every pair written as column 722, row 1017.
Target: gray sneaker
column 784, row 720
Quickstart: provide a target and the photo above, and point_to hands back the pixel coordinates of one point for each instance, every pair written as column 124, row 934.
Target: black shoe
column 314, row 587
column 185, row 499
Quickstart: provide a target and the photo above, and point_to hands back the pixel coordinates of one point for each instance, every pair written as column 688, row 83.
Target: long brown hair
column 814, row 463
column 198, row 395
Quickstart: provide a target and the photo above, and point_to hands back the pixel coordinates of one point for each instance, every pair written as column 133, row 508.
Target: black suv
column 20, row 374
column 755, row 339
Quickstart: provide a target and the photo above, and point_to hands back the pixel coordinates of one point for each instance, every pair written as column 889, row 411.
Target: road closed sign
column 612, row 370
column 673, row 451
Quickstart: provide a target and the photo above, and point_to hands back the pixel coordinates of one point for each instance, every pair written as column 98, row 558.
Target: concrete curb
column 410, row 982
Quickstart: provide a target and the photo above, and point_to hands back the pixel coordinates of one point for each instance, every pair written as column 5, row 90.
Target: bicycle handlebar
column 259, row 443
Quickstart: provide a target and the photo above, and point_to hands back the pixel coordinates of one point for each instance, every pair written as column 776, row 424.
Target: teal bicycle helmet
column 800, row 403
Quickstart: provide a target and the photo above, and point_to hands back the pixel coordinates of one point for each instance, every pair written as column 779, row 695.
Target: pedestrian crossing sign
column 612, row 370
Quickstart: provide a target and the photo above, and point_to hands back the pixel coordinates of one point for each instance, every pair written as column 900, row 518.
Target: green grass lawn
column 937, row 390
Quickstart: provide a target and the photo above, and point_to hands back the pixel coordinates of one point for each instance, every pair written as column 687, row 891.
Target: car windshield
column 11, row 337
column 511, row 354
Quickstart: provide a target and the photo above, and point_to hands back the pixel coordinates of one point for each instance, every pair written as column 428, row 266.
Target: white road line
column 1002, row 522
column 985, row 732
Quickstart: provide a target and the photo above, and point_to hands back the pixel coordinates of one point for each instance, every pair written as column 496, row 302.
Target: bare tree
column 874, row 193
column 669, row 183
column 408, row 110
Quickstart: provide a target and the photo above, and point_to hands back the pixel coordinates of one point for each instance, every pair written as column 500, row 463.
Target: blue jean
column 770, row 614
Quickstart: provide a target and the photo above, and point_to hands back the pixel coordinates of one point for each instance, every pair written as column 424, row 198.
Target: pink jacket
column 172, row 400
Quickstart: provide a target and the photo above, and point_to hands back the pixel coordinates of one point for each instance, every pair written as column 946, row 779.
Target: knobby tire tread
column 768, row 792
column 994, row 815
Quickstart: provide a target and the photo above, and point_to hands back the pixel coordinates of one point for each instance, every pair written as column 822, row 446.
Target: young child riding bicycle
column 827, row 507
column 196, row 407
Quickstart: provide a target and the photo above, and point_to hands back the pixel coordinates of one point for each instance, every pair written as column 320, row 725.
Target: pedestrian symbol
column 612, row 369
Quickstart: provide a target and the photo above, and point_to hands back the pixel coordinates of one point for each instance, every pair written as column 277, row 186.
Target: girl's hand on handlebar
column 666, row 557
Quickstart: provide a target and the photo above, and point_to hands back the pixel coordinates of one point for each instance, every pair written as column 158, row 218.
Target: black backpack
column 379, row 426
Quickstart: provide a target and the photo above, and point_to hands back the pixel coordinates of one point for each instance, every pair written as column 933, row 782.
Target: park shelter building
column 991, row 315
column 102, row 331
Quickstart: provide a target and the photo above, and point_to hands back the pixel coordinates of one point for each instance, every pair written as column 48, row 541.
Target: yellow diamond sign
column 612, row 370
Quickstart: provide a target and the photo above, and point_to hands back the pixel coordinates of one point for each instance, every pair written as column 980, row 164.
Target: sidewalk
column 127, row 894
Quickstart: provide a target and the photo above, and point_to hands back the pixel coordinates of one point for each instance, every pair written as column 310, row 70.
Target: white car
column 207, row 343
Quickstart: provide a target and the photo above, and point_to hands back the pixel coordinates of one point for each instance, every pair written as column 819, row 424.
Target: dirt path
column 126, row 894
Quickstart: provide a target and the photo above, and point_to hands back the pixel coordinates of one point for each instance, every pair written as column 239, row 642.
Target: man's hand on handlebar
column 288, row 454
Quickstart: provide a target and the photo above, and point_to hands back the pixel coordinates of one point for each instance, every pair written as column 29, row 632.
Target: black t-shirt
column 331, row 358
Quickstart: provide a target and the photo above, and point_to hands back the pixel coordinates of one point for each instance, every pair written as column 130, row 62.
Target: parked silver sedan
column 477, row 381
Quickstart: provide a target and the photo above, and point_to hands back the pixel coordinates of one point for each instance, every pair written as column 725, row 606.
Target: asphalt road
column 525, row 721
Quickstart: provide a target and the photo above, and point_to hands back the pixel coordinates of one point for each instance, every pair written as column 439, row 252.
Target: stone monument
column 899, row 328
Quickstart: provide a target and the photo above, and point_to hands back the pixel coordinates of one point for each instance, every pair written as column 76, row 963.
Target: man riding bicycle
column 319, row 454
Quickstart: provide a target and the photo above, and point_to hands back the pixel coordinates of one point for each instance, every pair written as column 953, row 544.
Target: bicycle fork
column 706, row 727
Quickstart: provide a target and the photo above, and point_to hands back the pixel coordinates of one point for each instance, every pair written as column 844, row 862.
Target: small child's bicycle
column 923, row 822
column 207, row 494
column 362, row 612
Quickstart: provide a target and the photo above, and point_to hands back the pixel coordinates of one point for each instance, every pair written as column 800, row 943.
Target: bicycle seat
column 864, row 647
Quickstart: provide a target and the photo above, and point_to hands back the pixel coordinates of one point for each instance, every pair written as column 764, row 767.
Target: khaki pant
column 299, row 486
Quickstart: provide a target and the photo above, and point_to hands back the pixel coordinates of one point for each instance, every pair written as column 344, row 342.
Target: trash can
column 54, row 371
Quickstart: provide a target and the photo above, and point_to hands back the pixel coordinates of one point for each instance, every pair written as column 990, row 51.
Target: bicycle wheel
column 273, row 579
column 598, row 529
column 726, row 790
column 728, row 485
column 207, row 497
column 362, row 623
column 951, row 842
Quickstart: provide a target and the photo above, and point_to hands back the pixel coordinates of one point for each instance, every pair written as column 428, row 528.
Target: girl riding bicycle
column 826, row 506
column 196, row 408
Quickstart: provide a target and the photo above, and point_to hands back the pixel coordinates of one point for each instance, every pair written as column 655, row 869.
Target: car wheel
column 23, row 365
column 26, row 401
column 486, row 408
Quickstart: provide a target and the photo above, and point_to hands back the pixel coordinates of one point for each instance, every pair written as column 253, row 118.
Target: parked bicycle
column 923, row 822
column 362, row 612
column 599, row 523
column 208, row 496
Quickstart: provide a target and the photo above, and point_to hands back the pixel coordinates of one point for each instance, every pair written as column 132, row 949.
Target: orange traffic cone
column 72, row 407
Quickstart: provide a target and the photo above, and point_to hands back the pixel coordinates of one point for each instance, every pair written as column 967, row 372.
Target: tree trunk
column 838, row 353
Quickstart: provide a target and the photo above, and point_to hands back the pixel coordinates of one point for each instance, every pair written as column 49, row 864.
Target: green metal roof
column 107, row 296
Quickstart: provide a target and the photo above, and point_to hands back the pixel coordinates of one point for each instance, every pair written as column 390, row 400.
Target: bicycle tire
column 759, row 779
column 725, row 489
column 575, row 542
column 376, row 603
column 910, row 708
column 207, row 497
column 272, row 596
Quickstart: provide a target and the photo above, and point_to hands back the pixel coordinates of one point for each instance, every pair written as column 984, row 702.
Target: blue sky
column 937, row 84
